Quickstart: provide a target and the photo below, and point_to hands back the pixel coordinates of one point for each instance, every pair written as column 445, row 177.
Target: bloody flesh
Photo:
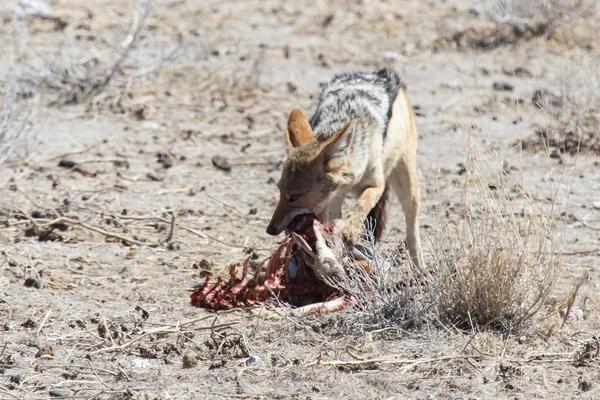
column 299, row 288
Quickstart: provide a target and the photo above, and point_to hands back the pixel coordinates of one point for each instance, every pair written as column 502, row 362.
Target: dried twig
column 388, row 360
column 102, row 232
column 572, row 297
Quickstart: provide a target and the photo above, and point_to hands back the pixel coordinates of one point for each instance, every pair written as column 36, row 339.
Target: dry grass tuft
column 530, row 18
column 574, row 115
column 15, row 116
column 496, row 266
column 570, row 22
column 490, row 268
column 394, row 295
column 81, row 71
column 491, row 274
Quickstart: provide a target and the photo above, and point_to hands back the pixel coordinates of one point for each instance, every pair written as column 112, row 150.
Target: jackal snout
column 312, row 172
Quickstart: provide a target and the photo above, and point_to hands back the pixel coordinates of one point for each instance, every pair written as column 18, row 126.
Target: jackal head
column 313, row 171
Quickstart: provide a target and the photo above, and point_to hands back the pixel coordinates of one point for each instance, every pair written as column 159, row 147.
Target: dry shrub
column 528, row 18
column 495, row 271
column 15, row 115
column 570, row 22
column 489, row 268
column 573, row 126
column 496, row 265
column 72, row 69
column 395, row 295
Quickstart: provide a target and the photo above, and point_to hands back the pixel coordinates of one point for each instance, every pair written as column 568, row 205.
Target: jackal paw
column 353, row 230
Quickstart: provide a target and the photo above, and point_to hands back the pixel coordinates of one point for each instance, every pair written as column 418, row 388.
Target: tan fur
column 298, row 130
column 320, row 177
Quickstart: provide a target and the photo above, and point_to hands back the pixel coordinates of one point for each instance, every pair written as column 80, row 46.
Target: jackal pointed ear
column 298, row 131
column 339, row 144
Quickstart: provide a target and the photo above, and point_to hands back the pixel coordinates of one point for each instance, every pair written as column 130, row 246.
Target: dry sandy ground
column 109, row 317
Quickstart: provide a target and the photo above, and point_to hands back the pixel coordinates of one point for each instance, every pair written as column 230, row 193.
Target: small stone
column 206, row 265
column 221, row 163
column 596, row 205
column 584, row 386
column 64, row 163
column 102, row 330
column 503, row 86
column 252, row 360
column 46, row 352
column 38, row 214
column 165, row 160
column 30, row 324
column 17, row 378
column 189, row 361
column 390, row 56
column 555, row 153
column 154, row 177
column 57, row 391
column 33, row 282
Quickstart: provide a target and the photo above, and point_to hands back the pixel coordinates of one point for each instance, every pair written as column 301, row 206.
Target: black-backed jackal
column 361, row 140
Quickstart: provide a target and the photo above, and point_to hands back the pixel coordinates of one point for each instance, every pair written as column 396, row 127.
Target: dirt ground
column 96, row 305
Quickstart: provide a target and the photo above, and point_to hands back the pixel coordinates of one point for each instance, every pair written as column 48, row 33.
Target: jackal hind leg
column 406, row 183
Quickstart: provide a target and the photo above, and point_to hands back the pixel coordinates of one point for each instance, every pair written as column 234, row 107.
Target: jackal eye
column 293, row 198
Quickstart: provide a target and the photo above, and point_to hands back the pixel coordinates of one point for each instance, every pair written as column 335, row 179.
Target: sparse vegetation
column 394, row 294
column 496, row 269
column 571, row 22
column 529, row 18
column 490, row 269
column 15, row 115
column 571, row 124
column 115, row 205
column 82, row 69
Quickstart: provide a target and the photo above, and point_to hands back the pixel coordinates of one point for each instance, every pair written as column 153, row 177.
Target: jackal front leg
column 354, row 225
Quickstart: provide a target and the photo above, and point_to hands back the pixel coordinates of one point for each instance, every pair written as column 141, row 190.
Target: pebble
column 391, row 56
column 221, row 163
column 33, row 282
column 17, row 378
column 46, row 351
column 57, row 391
column 252, row 360
column 596, row 205
column 503, row 86
column 189, row 361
